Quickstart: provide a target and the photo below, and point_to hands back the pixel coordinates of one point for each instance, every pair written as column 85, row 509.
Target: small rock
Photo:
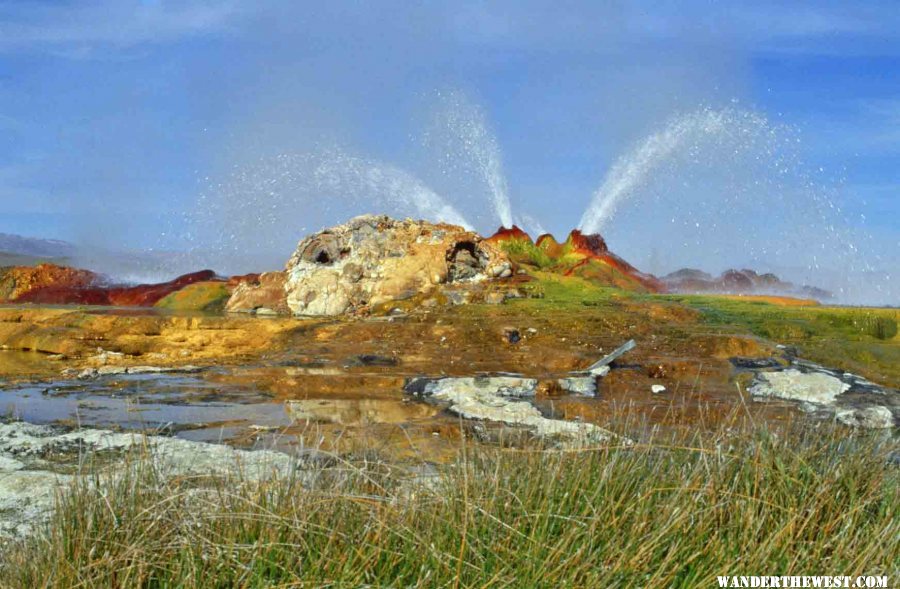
column 579, row 385
column 104, row 356
column 262, row 295
column 263, row 428
column 511, row 335
column 457, row 297
column 87, row 373
column 611, row 357
column 657, row 389
column 188, row 368
column 110, row 370
column 502, row 270
column 147, row 369
column 754, row 363
column 658, row 371
column 877, row 417
column 531, row 331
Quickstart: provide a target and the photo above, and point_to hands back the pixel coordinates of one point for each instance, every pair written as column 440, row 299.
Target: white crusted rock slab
column 585, row 386
column 876, row 417
column 29, row 483
column 792, row 384
column 498, row 399
column 442, row 388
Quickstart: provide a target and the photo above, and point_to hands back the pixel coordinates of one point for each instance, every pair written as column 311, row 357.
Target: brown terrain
column 420, row 300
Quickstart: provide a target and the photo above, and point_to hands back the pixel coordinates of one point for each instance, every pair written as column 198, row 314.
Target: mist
column 217, row 135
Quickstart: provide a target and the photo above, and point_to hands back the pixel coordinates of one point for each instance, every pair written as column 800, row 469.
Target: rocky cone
column 585, row 256
column 373, row 259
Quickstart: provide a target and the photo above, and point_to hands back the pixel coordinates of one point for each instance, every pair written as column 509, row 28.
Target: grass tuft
column 675, row 512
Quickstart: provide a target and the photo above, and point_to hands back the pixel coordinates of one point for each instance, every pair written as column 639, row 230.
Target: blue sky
column 116, row 115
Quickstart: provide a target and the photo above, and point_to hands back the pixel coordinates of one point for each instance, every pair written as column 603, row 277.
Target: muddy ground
column 287, row 382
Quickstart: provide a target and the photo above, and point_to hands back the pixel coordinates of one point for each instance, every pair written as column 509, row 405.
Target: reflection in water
column 358, row 411
column 16, row 363
column 143, row 402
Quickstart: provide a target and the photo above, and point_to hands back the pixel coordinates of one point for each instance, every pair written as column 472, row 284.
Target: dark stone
column 416, row 385
column 754, row 363
column 371, row 360
column 466, row 261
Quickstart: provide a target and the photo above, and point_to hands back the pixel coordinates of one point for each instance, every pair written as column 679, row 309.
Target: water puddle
column 349, row 402
column 243, row 406
column 186, row 405
column 18, row 364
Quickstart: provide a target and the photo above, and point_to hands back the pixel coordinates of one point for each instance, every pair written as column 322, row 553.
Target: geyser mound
column 583, row 255
column 372, row 260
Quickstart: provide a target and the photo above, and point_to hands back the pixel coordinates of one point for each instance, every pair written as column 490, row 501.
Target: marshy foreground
column 413, row 405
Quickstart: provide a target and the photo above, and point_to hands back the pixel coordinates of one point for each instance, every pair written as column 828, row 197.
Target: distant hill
column 34, row 247
column 12, row 259
column 690, row 280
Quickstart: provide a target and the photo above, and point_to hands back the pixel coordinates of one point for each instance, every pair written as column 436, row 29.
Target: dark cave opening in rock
column 466, row 261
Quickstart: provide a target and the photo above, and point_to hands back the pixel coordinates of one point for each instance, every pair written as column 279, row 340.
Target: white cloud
column 77, row 29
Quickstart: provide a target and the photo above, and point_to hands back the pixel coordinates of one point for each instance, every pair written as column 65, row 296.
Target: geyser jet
column 461, row 134
column 633, row 169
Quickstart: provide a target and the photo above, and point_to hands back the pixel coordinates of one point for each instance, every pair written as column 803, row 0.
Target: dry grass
column 670, row 513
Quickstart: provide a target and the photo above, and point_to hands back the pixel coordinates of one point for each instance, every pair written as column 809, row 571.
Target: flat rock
column 875, row 417
column 29, row 483
column 508, row 386
column 498, row 399
column 792, row 384
column 601, row 366
column 579, row 385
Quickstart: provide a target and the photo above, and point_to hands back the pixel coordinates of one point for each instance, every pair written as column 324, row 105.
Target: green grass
column 525, row 252
column 674, row 513
column 550, row 290
column 208, row 297
column 860, row 340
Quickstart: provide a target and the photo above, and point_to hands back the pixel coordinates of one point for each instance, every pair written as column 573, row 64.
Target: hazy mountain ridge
column 36, row 247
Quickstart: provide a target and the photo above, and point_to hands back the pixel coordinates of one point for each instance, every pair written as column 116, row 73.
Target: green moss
column 522, row 251
column 208, row 297
column 568, row 291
